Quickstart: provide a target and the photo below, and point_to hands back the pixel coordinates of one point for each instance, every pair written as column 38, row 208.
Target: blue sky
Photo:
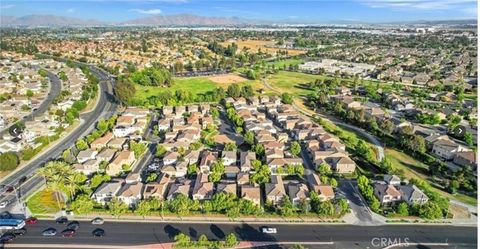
column 298, row 11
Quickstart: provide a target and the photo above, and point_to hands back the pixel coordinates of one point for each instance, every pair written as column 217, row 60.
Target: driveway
column 360, row 210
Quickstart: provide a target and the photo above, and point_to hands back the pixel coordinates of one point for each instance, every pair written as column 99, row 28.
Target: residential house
column 101, row 141
column 246, row 158
column 387, row 193
column 179, row 188
column 412, row 194
column 157, row 189
column 107, row 191
column 131, row 194
column 243, row 178
column 275, row 191
column 229, row 188
column 170, row 157
column 298, row 193
column 124, row 157
column 106, row 155
column 203, row 189
column 229, row 157
column 86, row 155
column 446, row 149
column 466, row 159
column 251, row 193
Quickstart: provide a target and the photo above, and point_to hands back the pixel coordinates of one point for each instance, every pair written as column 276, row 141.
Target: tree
column 181, row 205
column 151, row 177
column 160, row 150
column 192, row 169
column 402, row 209
column 97, row 179
column 287, row 98
column 29, row 93
column 295, row 148
column 124, row 90
column 333, row 182
column 230, row 147
column 324, row 169
column 249, row 137
column 286, row 208
column 182, row 240
column 137, row 148
column 468, row 137
column 233, row 91
column 231, row 240
column 8, row 161
column 83, row 204
column 217, row 171
column 117, row 207
column 430, row 210
column 343, row 204
column 81, row 144
column 145, row 207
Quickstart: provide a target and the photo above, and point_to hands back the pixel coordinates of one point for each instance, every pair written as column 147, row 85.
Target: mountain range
column 157, row 20
column 171, row 20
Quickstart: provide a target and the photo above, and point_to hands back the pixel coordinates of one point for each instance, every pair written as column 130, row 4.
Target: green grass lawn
column 195, row 85
column 44, row 202
column 288, row 62
column 291, row 82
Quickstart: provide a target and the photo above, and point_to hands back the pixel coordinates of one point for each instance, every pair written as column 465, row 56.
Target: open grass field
column 292, row 82
column 196, row 85
column 44, row 202
column 254, row 45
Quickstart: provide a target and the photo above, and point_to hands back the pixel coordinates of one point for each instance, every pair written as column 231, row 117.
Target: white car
column 269, row 230
column 4, row 204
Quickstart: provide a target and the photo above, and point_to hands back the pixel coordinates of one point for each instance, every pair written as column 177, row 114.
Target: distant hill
column 187, row 20
column 46, row 20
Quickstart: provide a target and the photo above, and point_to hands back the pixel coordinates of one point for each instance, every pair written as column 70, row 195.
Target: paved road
column 344, row 236
column 54, row 91
column 106, row 107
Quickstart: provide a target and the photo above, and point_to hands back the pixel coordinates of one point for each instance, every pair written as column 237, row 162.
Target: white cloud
column 7, row 6
column 71, row 10
column 416, row 4
column 147, row 12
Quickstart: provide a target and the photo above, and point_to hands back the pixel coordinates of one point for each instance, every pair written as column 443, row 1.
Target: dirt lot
column 254, row 45
column 227, row 79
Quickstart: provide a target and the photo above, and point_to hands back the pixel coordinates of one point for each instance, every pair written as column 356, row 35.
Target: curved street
column 106, row 106
column 55, row 87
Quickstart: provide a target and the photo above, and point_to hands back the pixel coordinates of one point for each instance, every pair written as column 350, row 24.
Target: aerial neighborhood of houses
column 274, row 125
column 27, row 96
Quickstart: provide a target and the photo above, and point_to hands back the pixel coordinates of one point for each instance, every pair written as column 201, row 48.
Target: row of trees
column 184, row 241
column 152, row 76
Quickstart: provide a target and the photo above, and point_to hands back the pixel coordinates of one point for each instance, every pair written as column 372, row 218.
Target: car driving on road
column 61, row 220
column 98, row 232
column 269, row 230
column 68, row 233
column 74, row 225
column 49, row 232
column 97, row 221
